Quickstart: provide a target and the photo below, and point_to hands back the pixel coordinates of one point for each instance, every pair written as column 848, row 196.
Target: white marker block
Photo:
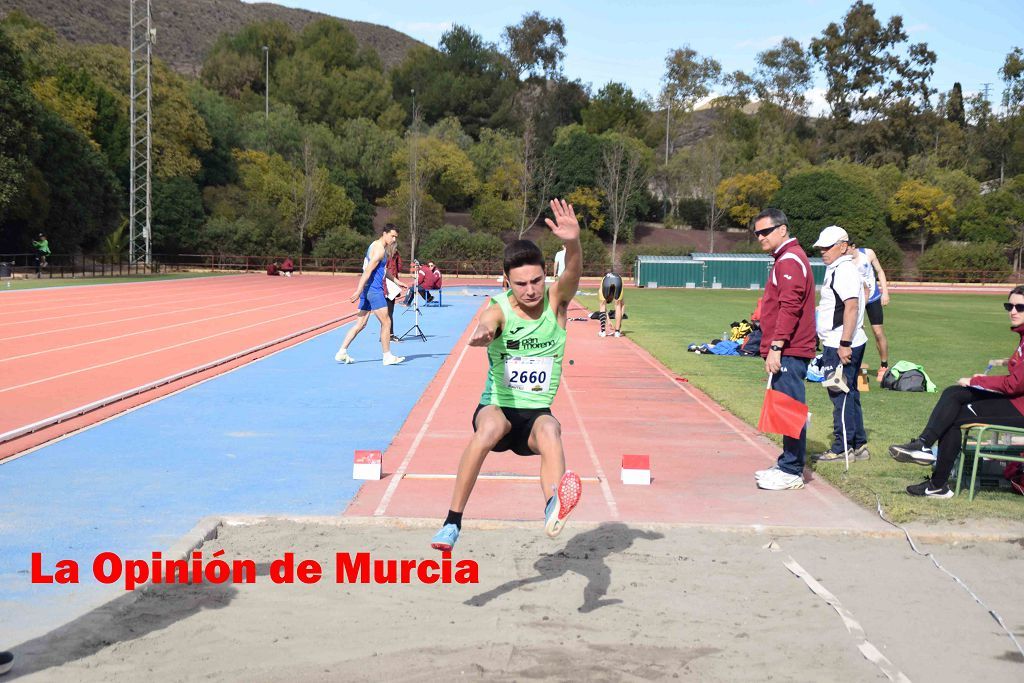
column 367, row 465
column 636, row 469
column 652, row 285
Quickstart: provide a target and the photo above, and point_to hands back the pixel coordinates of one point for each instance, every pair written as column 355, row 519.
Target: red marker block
column 367, row 465
column 636, row 469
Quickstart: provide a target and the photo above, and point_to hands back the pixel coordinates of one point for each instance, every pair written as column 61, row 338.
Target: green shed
column 713, row 271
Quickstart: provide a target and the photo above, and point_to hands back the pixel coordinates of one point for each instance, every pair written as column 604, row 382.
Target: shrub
column 596, row 257
column 964, row 262
column 452, row 243
column 342, row 243
column 693, row 212
column 816, row 199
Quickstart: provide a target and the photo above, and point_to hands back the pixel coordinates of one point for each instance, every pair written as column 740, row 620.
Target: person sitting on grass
column 997, row 400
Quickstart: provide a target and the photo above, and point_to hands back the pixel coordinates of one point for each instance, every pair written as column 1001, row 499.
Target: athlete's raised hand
column 565, row 226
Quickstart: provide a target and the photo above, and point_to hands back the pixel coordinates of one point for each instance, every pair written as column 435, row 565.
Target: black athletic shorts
column 518, row 438
column 874, row 311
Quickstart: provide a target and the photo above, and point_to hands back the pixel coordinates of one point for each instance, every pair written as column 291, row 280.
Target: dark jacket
column 787, row 308
column 1011, row 385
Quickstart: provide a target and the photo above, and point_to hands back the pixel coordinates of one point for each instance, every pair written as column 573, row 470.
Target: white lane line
column 400, row 472
column 870, row 652
column 150, row 330
column 606, row 490
column 161, row 349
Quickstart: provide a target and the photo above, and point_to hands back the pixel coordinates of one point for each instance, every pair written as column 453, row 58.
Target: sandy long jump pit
column 610, row 602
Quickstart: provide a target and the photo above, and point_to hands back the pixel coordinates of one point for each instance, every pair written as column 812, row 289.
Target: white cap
column 831, row 235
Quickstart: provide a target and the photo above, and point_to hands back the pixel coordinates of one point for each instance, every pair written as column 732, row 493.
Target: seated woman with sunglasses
column 991, row 400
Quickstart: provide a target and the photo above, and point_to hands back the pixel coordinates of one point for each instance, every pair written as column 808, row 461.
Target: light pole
column 266, row 81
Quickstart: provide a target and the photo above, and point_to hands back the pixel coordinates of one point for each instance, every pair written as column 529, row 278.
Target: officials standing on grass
column 788, row 337
column 840, row 321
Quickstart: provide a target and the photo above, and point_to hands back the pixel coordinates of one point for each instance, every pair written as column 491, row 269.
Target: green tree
column 950, row 262
column 922, row 209
column 465, row 77
column 536, row 45
column 814, row 199
column 955, row 112
column 178, row 216
column 587, row 203
column 17, row 133
column 447, row 172
column 615, row 108
column 783, row 76
column 367, row 149
column 494, row 214
column 875, row 78
column 743, row 196
column 452, row 243
column 429, row 213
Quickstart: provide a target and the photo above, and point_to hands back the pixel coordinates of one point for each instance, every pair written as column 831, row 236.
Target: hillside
column 187, row 29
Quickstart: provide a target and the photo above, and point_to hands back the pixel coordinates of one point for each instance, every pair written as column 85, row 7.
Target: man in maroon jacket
column 788, row 336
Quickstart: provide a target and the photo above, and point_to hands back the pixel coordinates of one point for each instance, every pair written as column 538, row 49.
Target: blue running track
column 273, row 437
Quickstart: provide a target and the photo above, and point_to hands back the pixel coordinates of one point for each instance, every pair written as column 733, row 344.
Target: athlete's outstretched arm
column 488, row 327
column 567, row 228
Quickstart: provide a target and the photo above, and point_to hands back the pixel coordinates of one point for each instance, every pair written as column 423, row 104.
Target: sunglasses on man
column 764, row 232
column 1013, row 307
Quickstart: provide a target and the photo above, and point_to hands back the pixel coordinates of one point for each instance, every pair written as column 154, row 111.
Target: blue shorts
column 371, row 299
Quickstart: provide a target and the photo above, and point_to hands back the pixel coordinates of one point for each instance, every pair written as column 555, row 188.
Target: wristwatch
column 845, row 344
column 775, row 347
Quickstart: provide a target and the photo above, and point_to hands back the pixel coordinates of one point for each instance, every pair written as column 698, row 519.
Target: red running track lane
column 64, row 348
column 615, row 399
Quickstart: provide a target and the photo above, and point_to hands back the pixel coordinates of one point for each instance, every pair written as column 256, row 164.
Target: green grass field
column 952, row 336
column 37, row 283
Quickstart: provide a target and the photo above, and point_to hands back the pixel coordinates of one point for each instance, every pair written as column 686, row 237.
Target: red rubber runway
column 61, row 349
column 615, row 399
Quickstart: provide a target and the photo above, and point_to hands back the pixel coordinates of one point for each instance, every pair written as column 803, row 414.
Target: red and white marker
column 636, row 469
column 367, row 465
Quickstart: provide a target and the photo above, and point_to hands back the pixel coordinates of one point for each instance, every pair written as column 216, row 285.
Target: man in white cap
column 840, row 321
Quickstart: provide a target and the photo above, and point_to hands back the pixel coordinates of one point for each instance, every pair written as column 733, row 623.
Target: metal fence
column 23, row 265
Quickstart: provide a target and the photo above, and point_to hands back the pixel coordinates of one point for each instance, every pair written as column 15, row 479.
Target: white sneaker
column 600, row 334
column 392, row 359
column 617, row 333
column 342, row 357
column 780, row 481
column 762, row 473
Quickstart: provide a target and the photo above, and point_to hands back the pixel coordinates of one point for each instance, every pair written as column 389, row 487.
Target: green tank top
column 525, row 359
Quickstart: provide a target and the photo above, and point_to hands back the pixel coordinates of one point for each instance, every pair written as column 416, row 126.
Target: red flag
column 781, row 414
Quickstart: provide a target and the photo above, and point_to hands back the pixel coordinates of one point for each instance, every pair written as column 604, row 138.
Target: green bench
column 981, row 441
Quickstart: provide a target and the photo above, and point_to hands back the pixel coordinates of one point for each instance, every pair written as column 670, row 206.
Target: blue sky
column 628, row 41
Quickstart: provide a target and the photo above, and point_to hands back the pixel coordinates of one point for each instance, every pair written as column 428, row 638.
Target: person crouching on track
column 997, row 400
column 612, row 290
column 524, row 332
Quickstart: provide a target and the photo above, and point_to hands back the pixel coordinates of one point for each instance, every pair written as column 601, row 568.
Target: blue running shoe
column 444, row 540
column 562, row 503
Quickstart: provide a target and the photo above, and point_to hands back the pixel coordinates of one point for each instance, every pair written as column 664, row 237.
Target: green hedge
column 959, row 262
column 816, row 199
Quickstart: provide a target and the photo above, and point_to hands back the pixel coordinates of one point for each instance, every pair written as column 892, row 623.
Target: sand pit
column 606, row 603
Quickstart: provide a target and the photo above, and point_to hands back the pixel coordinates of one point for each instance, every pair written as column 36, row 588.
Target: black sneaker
column 927, row 489
column 914, row 452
